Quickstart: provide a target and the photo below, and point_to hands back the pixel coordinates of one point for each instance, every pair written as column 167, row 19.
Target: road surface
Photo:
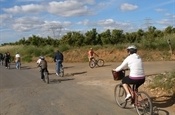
column 83, row 91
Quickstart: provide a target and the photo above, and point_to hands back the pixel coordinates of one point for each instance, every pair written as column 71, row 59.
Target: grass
column 165, row 82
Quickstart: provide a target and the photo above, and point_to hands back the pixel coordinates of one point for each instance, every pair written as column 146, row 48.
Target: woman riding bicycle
column 135, row 64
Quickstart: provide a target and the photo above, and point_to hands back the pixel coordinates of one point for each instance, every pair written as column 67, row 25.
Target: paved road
column 83, row 91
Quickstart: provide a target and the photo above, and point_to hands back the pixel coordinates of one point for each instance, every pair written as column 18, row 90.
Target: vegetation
column 150, row 39
column 165, row 82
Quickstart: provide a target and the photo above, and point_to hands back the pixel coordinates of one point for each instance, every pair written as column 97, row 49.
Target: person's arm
column 120, row 67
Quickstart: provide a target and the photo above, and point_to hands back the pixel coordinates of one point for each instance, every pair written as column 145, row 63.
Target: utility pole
column 148, row 22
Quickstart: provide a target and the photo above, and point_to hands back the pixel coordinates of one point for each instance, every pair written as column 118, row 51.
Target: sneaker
column 57, row 74
column 128, row 96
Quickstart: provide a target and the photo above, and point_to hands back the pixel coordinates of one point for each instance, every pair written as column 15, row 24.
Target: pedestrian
column 7, row 58
column 1, row 58
column 18, row 60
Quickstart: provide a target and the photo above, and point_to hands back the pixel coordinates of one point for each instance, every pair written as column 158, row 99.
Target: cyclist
column 91, row 54
column 58, row 58
column 39, row 61
column 135, row 64
column 43, row 66
column 18, row 60
column 7, row 58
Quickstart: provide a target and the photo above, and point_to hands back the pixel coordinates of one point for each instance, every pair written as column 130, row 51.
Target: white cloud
column 31, row 8
column 111, row 24
column 4, row 17
column 84, row 22
column 27, row 24
column 68, row 8
column 128, row 7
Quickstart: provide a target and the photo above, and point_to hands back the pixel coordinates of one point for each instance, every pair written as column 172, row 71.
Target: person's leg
column 125, row 82
column 57, row 67
column 139, row 83
column 5, row 63
column 42, row 73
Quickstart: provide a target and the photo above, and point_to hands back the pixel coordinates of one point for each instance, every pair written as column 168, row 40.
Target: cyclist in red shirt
column 91, row 54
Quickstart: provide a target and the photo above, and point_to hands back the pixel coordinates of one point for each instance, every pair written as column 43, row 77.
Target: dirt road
column 83, row 91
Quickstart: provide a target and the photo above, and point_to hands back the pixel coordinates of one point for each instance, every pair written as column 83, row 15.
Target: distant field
column 109, row 54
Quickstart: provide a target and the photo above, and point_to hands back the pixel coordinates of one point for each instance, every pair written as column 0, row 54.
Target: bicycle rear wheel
column 61, row 72
column 144, row 104
column 100, row 62
column 120, row 94
column 92, row 64
column 46, row 77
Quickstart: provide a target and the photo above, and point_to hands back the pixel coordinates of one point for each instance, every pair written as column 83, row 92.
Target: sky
column 24, row 18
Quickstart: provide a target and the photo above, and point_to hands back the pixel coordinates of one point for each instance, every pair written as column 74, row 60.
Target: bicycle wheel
column 92, row 64
column 120, row 94
column 144, row 104
column 8, row 65
column 61, row 72
column 46, row 76
column 100, row 62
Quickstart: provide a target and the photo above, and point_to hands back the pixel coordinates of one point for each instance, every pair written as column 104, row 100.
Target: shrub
column 27, row 58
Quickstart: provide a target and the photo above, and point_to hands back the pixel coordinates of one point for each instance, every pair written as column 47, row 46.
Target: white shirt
column 38, row 61
column 17, row 55
column 134, row 63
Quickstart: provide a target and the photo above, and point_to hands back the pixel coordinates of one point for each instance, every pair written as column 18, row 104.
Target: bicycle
column 96, row 62
column 61, row 74
column 46, row 76
column 139, row 99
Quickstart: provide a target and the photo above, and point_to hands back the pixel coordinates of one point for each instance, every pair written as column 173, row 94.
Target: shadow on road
column 164, row 101
column 161, row 102
column 77, row 73
column 52, row 81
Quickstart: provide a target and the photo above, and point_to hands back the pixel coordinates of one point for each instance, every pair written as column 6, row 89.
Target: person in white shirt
column 135, row 65
column 18, row 60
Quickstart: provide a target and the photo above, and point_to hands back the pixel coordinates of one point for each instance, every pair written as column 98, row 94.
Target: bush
column 164, row 81
column 27, row 58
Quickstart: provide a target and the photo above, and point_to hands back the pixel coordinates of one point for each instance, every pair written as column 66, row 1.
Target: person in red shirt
column 91, row 54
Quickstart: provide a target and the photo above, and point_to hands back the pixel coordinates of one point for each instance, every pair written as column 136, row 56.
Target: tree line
column 92, row 37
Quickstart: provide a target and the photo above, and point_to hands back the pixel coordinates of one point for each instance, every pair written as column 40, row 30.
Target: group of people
column 6, row 58
column 133, row 61
column 58, row 59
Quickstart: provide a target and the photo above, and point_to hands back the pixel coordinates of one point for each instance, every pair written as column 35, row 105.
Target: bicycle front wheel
column 100, row 62
column 46, row 77
column 92, row 64
column 144, row 104
column 120, row 94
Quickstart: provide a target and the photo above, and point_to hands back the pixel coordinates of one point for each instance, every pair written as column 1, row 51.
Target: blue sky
column 24, row 18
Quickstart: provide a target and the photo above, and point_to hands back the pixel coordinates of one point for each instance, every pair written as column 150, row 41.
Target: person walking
column 58, row 59
column 1, row 58
column 18, row 60
column 7, row 58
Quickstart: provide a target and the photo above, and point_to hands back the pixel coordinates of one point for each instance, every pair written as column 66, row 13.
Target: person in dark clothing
column 43, row 66
column 7, row 58
column 58, row 59
column 1, row 58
